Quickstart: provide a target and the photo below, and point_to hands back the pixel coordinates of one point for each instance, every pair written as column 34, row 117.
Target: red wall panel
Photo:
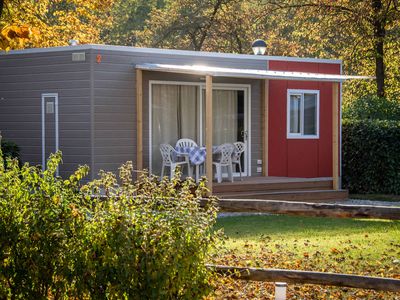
column 325, row 130
column 300, row 157
column 277, row 152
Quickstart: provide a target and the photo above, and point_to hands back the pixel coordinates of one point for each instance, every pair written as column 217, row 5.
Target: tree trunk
column 379, row 37
column 217, row 7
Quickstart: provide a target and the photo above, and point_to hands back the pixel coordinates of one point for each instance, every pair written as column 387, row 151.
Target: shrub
column 147, row 239
column 9, row 149
column 371, row 156
column 37, row 225
column 372, row 107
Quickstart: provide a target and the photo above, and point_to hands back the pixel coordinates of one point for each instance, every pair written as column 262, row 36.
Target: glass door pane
column 175, row 115
column 228, row 119
column 310, row 114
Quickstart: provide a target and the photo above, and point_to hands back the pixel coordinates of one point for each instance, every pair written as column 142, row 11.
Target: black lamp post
column 259, row 47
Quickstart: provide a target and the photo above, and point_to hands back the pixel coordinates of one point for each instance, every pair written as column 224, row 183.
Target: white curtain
column 225, row 116
column 174, row 116
column 188, row 115
column 295, row 101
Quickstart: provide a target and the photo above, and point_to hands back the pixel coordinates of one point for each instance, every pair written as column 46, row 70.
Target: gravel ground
column 369, row 202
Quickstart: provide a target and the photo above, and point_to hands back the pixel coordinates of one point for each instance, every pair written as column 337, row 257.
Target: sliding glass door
column 229, row 119
column 178, row 111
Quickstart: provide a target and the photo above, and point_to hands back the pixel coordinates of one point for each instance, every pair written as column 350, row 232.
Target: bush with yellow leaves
column 113, row 238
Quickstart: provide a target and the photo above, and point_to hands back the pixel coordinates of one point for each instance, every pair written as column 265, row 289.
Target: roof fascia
column 172, row 52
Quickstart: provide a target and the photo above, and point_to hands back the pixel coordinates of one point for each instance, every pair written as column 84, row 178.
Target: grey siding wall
column 114, row 102
column 114, row 112
column 23, row 79
column 97, row 113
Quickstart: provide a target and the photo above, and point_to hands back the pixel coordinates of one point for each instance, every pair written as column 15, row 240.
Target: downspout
column 91, row 69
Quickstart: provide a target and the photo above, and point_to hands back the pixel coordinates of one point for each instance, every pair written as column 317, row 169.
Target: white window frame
column 246, row 88
column 55, row 96
column 301, row 135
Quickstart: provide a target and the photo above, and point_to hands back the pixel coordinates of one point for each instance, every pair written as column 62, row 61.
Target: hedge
column 371, row 156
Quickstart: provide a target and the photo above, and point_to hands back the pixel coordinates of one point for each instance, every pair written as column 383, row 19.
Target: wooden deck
column 280, row 188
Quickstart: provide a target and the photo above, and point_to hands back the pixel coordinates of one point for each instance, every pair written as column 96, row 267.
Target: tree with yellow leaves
column 11, row 33
column 48, row 23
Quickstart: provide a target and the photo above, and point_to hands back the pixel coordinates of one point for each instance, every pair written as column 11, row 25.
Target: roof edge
column 247, row 73
column 172, row 52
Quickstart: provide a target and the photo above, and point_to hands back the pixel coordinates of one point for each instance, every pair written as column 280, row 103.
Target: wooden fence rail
column 308, row 209
column 320, row 278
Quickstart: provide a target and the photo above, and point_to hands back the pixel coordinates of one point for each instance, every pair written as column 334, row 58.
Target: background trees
column 46, row 23
column 129, row 18
column 185, row 24
column 364, row 33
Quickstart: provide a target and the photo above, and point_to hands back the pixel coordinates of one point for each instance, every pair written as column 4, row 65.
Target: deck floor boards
column 270, row 179
column 280, row 188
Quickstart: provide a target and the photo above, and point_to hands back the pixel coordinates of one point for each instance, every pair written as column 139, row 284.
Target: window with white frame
column 303, row 114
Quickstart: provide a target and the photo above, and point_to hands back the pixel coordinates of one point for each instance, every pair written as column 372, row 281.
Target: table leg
column 190, row 172
column 197, row 173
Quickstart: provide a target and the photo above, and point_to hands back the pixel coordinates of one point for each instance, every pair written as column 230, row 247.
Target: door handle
column 244, row 134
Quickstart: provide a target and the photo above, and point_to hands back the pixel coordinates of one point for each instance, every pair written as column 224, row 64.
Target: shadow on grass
column 251, row 227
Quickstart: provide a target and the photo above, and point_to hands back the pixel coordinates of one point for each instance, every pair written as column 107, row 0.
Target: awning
column 246, row 73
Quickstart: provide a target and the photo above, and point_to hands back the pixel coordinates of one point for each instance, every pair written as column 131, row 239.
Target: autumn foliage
column 16, row 35
column 46, row 23
column 365, row 34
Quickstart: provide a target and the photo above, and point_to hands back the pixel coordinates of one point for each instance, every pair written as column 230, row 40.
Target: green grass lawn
column 353, row 246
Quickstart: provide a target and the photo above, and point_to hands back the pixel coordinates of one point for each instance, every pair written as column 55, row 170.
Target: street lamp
column 259, row 47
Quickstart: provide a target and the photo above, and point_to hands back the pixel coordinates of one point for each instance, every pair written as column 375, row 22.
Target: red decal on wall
column 98, row 58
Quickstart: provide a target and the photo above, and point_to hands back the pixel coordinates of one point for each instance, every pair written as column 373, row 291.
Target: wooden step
column 293, row 195
column 273, row 185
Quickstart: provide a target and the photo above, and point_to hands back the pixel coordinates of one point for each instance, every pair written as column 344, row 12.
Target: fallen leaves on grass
column 336, row 260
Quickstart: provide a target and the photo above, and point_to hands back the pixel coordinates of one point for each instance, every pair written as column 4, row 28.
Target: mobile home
column 104, row 105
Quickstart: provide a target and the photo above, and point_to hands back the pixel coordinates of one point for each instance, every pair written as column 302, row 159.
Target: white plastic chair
column 237, row 154
column 186, row 143
column 168, row 154
column 225, row 160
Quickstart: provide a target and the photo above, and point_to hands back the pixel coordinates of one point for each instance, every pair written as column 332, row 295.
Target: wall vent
column 78, row 56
